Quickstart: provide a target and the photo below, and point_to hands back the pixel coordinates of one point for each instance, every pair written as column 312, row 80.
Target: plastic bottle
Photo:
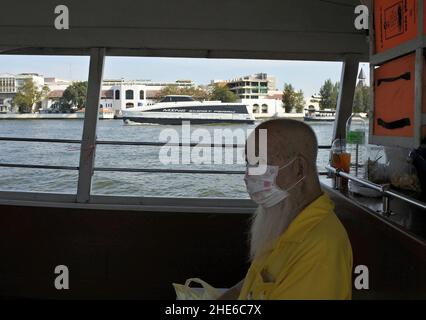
column 356, row 144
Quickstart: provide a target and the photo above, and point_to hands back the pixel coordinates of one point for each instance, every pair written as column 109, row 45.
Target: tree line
column 327, row 97
column 293, row 99
column 217, row 92
column 30, row 96
column 329, row 93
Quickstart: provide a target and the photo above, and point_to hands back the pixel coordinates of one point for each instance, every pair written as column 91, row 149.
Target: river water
column 118, row 183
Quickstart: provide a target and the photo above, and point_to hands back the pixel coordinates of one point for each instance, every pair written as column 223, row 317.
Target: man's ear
column 302, row 166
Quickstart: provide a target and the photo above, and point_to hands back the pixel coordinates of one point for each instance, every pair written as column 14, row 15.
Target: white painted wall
column 273, row 107
column 120, row 104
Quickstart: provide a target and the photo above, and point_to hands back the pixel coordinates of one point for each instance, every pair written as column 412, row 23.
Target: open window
column 147, row 159
column 41, row 122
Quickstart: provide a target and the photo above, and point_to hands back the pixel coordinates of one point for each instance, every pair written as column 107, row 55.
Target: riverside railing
column 130, row 143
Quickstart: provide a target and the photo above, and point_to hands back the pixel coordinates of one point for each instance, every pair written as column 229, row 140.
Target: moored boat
column 312, row 115
column 173, row 110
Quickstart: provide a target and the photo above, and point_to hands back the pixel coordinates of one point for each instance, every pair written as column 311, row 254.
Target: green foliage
column 218, row 92
column 300, row 102
column 327, row 100
column 361, row 98
column 196, row 93
column 289, row 97
column 223, row 94
column 335, row 94
column 74, row 96
column 28, row 95
column 329, row 93
column 292, row 99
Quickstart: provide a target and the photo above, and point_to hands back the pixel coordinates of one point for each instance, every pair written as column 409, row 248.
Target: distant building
column 264, row 108
column 124, row 94
column 55, row 84
column 258, row 92
column 121, row 94
column 362, row 78
column 56, row 90
column 35, row 77
column 313, row 102
column 7, row 91
column 255, row 86
column 116, row 94
column 7, row 83
column 10, row 84
column 275, row 95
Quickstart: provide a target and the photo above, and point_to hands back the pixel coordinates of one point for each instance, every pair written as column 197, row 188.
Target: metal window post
column 386, row 205
column 91, row 115
column 346, row 95
column 419, row 85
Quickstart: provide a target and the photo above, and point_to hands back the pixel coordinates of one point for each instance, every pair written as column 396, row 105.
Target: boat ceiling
column 267, row 29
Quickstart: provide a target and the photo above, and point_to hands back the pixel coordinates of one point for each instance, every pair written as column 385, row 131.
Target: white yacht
column 312, row 115
column 174, row 109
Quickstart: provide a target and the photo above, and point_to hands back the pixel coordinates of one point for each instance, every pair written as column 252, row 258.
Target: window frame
column 84, row 196
column 128, row 93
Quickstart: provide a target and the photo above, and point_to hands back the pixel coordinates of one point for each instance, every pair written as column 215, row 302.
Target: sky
column 307, row 76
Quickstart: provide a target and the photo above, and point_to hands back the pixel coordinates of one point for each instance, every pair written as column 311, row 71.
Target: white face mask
column 264, row 190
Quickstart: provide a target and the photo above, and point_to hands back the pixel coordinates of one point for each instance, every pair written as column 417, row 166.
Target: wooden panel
column 396, row 261
column 117, row 254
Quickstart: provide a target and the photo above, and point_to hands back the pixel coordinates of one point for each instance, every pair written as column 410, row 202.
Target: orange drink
column 341, row 161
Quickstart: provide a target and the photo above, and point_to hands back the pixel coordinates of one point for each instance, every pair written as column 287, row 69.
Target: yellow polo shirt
column 312, row 260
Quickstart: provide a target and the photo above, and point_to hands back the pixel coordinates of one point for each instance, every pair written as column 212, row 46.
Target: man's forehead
column 271, row 133
column 277, row 144
column 279, row 158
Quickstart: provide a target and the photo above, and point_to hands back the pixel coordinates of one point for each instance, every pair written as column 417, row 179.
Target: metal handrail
column 384, row 190
column 35, row 166
column 361, row 181
column 162, row 144
column 38, row 140
column 128, row 143
column 136, row 170
column 406, row 199
column 124, row 143
column 169, row 171
column 105, row 169
column 135, row 143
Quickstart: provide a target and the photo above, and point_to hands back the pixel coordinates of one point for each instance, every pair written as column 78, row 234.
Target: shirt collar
column 307, row 219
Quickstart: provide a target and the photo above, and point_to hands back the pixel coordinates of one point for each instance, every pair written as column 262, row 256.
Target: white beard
column 268, row 225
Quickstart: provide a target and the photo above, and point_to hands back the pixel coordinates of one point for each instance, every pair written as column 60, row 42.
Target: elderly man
column 298, row 247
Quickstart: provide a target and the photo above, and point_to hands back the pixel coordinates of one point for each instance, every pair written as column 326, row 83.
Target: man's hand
column 233, row 293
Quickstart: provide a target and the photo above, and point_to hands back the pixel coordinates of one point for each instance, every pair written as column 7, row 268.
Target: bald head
column 288, row 139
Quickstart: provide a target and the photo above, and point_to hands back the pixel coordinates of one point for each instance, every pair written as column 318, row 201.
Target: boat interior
column 136, row 247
